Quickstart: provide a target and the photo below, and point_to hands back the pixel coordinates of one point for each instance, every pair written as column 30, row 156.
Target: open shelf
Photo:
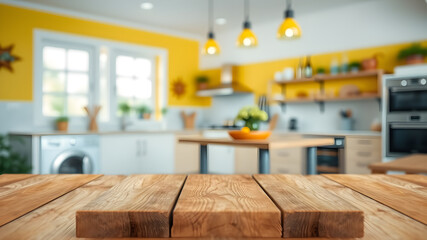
column 335, row 99
column 326, row 77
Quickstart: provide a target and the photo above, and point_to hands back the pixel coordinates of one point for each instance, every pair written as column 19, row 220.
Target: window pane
column 54, row 58
column 78, row 60
column 76, row 104
column 142, row 68
column 77, row 83
column 53, row 105
column 53, row 81
column 125, row 66
column 142, row 89
column 125, row 87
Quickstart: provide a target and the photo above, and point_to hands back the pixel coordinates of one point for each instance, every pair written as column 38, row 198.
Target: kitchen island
column 45, row 206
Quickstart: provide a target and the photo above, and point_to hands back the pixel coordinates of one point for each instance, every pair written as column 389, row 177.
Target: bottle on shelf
column 308, row 70
column 334, row 70
column 344, row 64
column 299, row 69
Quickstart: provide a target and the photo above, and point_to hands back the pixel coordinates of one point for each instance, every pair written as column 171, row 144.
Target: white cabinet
column 137, row 153
column 220, row 158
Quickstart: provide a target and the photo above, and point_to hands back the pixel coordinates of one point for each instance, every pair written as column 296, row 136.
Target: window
column 65, row 80
column 134, row 80
column 72, row 72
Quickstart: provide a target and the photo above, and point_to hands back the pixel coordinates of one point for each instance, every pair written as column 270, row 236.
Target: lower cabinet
column 360, row 152
column 137, row 154
column 187, row 155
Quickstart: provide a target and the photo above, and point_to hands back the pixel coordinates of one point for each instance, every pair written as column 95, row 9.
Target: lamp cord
column 246, row 9
column 210, row 15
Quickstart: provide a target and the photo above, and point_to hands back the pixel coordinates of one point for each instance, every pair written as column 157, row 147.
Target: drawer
column 363, row 143
column 357, row 161
column 291, row 154
column 284, row 168
column 363, row 155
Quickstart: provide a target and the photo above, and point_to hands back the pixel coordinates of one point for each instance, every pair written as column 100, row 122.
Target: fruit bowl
column 253, row 135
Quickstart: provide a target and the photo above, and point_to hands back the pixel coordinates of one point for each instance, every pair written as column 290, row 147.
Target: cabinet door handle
column 364, row 142
column 363, row 164
column 144, row 148
column 364, row 154
column 138, row 148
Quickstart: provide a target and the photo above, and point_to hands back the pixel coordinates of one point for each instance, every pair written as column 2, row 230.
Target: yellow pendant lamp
column 211, row 46
column 247, row 38
column 289, row 29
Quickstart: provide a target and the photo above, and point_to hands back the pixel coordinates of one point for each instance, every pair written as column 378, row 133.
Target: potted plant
column 252, row 116
column 320, row 70
column 62, row 123
column 124, row 109
column 414, row 54
column 10, row 161
column 354, row 66
column 144, row 111
column 202, row 82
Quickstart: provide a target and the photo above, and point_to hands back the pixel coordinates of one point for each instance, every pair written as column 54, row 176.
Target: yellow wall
column 17, row 25
column 257, row 75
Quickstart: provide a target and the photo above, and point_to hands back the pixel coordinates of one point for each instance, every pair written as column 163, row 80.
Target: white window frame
column 41, row 36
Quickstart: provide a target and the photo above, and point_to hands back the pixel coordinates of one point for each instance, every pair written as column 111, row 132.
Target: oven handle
column 409, row 126
column 407, row 89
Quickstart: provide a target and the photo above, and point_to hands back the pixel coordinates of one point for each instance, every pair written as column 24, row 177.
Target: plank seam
column 272, row 199
column 174, row 205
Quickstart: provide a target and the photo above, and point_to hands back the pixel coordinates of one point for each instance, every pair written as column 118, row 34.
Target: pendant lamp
column 289, row 29
column 211, row 46
column 247, row 38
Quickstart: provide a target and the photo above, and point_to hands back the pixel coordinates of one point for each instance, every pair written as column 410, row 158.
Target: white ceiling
column 188, row 17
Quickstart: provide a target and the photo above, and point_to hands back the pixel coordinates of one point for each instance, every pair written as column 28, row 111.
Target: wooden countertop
column 270, row 143
column 416, row 163
column 59, row 206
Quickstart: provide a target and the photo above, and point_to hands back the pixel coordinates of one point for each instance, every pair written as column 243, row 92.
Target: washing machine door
column 72, row 161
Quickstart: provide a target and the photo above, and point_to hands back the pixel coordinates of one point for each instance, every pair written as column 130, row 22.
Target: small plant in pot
column 144, row 111
column 354, row 67
column 202, row 82
column 414, row 54
column 62, row 123
column 124, row 109
column 320, row 71
column 252, row 116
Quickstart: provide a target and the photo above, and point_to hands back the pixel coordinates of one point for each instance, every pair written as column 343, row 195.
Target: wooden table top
column 195, row 206
column 270, row 143
column 416, row 163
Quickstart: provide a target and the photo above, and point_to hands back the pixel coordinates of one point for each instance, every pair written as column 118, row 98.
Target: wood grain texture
column 224, row 206
column 416, row 163
column 271, row 143
column 55, row 220
column 307, row 210
column 418, row 179
column 389, row 191
column 19, row 201
column 381, row 222
column 140, row 206
column 6, row 179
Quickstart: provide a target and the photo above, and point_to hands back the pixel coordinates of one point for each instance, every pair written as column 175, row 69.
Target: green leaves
column 11, row 162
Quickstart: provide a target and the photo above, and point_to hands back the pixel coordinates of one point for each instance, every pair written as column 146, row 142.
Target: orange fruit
column 245, row 129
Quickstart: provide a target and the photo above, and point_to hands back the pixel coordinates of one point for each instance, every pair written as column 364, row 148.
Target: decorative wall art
column 6, row 58
column 178, row 87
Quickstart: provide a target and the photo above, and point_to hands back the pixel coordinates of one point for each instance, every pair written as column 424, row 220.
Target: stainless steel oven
column 406, row 138
column 405, row 115
column 407, row 95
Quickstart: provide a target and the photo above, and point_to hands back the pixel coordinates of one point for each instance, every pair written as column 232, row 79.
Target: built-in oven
column 407, row 95
column 406, row 138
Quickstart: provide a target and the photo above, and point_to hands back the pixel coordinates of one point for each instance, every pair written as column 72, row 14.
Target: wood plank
column 19, row 201
column 6, row 179
column 140, row 206
column 418, row 179
column 409, row 201
column 225, row 206
column 416, row 163
column 307, row 210
column 381, row 222
column 272, row 143
column 55, row 219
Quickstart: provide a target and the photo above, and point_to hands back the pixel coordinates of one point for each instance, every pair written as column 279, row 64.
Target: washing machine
column 68, row 154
